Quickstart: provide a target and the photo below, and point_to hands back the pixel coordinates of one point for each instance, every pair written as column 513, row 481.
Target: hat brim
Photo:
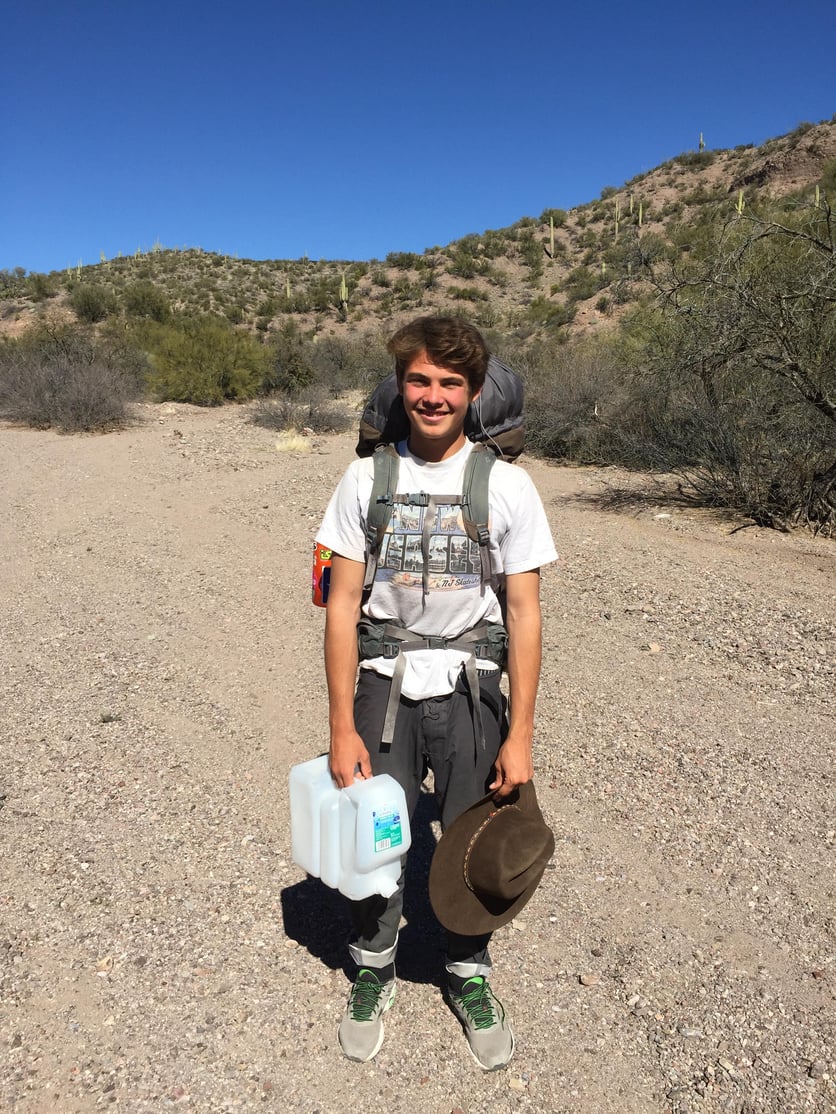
column 455, row 905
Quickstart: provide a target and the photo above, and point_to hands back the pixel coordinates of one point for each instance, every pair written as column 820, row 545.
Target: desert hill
column 563, row 271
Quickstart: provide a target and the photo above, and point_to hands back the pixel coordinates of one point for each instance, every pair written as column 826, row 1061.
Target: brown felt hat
column 489, row 862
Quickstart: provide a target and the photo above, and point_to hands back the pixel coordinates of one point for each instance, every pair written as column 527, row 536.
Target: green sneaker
column 361, row 1029
column 482, row 1015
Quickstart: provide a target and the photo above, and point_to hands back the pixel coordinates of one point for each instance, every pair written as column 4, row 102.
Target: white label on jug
column 387, row 830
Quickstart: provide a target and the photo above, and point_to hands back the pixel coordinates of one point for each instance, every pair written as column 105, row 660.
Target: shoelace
column 365, row 995
column 478, row 1004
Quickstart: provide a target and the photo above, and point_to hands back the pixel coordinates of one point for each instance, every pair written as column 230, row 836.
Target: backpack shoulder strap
column 476, row 507
column 379, row 512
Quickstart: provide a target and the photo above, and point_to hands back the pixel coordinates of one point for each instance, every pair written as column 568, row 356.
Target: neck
column 432, row 450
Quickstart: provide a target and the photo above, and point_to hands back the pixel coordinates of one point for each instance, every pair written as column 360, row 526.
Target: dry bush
column 574, row 399
column 60, row 376
column 311, row 409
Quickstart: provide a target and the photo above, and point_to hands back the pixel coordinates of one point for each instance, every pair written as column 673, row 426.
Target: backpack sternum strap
column 473, row 499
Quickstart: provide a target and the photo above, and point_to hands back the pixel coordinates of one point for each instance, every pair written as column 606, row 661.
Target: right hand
column 348, row 759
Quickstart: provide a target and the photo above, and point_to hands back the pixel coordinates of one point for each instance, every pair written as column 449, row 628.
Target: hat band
column 471, row 845
column 481, row 894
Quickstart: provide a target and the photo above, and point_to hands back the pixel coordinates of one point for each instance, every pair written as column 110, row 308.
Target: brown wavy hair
column 449, row 343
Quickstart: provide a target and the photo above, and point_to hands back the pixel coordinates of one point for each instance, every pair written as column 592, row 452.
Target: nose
column 433, row 395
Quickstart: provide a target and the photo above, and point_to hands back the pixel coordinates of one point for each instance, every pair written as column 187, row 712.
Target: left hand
column 514, row 767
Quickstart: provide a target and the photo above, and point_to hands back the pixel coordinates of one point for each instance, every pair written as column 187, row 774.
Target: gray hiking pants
column 437, row 733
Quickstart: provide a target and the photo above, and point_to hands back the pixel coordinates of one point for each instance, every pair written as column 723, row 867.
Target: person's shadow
column 316, row 916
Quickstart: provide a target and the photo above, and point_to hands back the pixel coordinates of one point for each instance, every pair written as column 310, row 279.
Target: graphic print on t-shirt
column 453, row 558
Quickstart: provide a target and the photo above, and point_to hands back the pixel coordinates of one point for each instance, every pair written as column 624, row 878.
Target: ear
column 474, row 397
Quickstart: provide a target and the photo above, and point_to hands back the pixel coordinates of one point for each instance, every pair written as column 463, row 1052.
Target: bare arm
column 514, row 765
column 348, row 750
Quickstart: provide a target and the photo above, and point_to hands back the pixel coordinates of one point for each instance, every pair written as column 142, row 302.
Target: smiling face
column 436, row 401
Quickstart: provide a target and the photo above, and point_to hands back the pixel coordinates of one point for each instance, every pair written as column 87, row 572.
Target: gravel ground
column 159, row 673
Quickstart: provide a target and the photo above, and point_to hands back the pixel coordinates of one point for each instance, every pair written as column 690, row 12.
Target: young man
column 450, row 714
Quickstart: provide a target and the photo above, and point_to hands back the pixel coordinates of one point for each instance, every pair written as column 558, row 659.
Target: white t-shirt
column 457, row 600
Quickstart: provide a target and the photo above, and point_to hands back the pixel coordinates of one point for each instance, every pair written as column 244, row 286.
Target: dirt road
column 159, row 673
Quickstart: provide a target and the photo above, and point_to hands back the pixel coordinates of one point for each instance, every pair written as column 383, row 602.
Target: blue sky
column 267, row 129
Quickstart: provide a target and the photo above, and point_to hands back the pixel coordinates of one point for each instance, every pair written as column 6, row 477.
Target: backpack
column 496, row 416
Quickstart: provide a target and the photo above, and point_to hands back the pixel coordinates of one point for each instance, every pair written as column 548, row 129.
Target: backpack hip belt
column 484, row 642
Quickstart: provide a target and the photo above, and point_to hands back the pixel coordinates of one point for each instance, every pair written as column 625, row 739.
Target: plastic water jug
column 351, row 838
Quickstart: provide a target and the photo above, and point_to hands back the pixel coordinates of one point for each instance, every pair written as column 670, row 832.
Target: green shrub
column 695, row 158
column 12, row 283
column 583, row 283
column 92, row 303
column 827, row 182
column 268, row 307
column 63, row 377
column 557, row 215
column 205, row 361
column 467, row 294
column 145, row 299
column 290, row 361
column 463, row 264
column 495, row 244
column 409, row 294
column 42, row 287
column 551, row 314
column 403, row 260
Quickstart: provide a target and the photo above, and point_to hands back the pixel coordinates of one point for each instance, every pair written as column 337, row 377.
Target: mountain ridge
column 564, row 272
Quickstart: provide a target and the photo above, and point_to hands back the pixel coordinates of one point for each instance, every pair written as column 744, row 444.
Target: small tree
column 741, row 363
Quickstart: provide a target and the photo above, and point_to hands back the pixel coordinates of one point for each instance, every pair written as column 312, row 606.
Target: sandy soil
column 160, row 672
